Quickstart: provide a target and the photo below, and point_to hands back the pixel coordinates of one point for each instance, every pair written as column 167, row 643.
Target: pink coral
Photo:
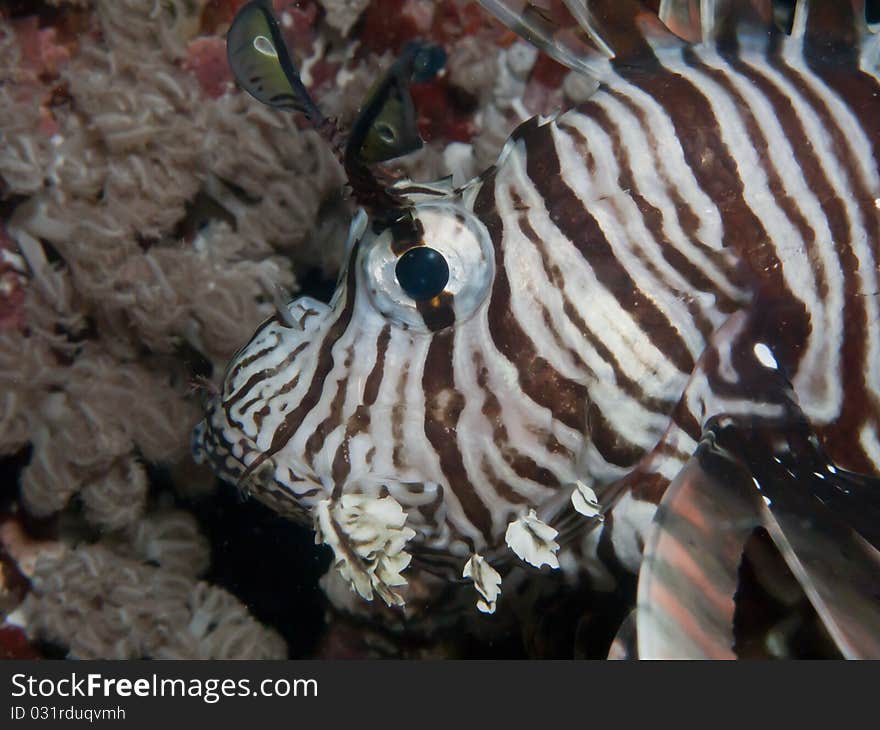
column 206, row 58
column 42, row 55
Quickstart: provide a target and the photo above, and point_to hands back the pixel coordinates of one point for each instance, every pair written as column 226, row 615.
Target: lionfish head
column 361, row 396
column 385, row 417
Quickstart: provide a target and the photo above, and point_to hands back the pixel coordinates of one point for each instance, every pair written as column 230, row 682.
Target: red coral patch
column 206, row 59
column 15, row 645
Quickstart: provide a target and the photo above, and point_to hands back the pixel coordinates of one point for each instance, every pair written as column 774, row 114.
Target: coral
column 343, row 14
column 206, row 59
column 171, row 539
column 86, row 427
column 12, row 282
column 101, row 604
column 23, row 155
column 151, row 212
column 138, row 150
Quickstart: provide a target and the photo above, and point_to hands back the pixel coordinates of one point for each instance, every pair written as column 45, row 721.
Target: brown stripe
column 250, row 359
column 374, row 379
column 622, row 381
column 686, row 217
column 398, row 413
column 576, row 223
column 341, row 467
column 833, row 31
column 537, row 379
column 406, row 232
column 651, row 216
column 614, row 447
column 859, row 92
column 316, row 439
column 788, row 342
column 716, row 172
column 438, row 313
column 523, row 465
column 443, row 407
column 260, row 376
column 324, row 366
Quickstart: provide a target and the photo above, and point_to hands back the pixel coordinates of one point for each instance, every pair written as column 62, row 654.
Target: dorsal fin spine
column 799, row 24
column 708, row 11
column 581, row 13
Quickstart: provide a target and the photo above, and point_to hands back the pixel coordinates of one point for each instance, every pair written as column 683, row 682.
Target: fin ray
column 584, row 35
column 689, row 574
column 553, row 29
column 682, row 17
column 823, row 523
column 727, row 19
column 739, row 479
column 625, row 642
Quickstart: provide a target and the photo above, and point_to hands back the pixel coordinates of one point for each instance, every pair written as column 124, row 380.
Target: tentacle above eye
column 261, row 62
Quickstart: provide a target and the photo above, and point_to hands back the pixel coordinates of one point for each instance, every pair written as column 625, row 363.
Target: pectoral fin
column 741, row 478
column 690, row 569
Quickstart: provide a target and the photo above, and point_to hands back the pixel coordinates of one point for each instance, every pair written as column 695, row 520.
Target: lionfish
column 648, row 331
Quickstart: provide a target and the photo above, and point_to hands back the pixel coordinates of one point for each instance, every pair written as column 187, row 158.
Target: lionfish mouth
column 232, row 436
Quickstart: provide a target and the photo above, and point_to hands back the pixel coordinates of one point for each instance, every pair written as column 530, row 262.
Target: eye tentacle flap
column 386, row 126
column 261, row 62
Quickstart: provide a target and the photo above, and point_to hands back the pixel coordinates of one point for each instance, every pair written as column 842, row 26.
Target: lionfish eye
column 422, row 272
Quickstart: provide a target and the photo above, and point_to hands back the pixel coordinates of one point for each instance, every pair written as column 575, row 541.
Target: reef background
column 149, row 210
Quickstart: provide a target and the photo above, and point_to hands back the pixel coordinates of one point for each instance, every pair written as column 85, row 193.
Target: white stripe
column 818, row 381
column 862, row 151
column 646, row 167
column 671, row 158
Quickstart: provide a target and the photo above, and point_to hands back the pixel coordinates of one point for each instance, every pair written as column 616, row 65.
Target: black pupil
column 422, row 272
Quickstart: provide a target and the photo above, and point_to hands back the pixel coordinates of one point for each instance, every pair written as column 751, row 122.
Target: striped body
column 709, row 211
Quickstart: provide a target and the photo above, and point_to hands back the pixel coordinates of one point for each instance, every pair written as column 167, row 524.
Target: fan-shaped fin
column 625, row 643
column 690, row 568
column 261, row 63
column 839, row 572
column 821, row 520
